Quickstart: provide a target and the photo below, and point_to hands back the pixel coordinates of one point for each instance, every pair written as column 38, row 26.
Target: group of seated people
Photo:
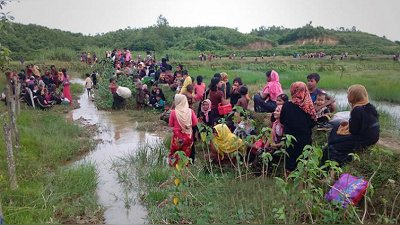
column 295, row 116
column 41, row 90
column 308, row 106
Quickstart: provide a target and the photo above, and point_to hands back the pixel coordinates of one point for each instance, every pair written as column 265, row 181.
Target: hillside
column 34, row 41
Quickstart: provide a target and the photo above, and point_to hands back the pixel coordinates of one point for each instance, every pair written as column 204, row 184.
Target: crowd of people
column 196, row 103
column 308, row 106
column 87, row 58
column 41, row 89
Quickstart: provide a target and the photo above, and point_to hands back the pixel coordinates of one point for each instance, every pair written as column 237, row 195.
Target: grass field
column 48, row 192
column 207, row 193
column 380, row 77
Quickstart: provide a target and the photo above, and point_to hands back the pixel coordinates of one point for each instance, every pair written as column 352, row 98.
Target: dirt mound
column 258, row 45
column 325, row 40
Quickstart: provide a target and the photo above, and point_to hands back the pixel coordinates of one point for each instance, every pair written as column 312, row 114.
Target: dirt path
column 389, row 142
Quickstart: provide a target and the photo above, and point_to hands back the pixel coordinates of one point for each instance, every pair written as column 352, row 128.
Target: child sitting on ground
column 159, row 105
column 140, row 96
column 245, row 127
column 276, row 135
column 312, row 82
column 243, row 101
column 323, row 115
column 166, row 113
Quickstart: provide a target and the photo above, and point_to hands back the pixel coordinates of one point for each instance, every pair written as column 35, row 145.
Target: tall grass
column 221, row 197
column 47, row 193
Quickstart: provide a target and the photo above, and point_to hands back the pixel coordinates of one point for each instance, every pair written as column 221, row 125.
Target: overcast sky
column 97, row 16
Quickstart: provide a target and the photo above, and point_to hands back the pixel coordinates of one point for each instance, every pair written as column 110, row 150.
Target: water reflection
column 119, row 138
column 390, row 108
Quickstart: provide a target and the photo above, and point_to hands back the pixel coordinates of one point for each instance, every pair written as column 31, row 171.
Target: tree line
column 30, row 40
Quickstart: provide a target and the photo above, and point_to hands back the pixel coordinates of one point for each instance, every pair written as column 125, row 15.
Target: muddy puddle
column 117, row 138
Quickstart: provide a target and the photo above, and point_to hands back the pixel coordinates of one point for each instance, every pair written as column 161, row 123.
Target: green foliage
column 104, row 98
column 60, row 45
column 47, row 193
column 4, row 57
column 203, row 44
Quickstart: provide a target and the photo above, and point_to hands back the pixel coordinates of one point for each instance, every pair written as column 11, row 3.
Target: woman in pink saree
column 66, row 85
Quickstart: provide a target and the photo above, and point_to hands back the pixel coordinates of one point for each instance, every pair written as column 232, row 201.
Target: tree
column 162, row 21
column 353, row 28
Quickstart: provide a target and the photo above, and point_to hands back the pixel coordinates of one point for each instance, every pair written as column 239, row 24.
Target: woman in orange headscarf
column 362, row 130
column 298, row 117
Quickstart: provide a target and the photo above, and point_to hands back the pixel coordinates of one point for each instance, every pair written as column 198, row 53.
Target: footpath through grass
column 49, row 192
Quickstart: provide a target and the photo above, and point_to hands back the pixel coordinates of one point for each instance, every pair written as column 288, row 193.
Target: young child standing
column 312, row 82
column 243, row 101
column 140, row 95
column 88, row 85
column 200, row 89
column 112, row 86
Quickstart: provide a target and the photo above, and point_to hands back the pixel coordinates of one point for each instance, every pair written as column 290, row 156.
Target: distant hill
column 32, row 41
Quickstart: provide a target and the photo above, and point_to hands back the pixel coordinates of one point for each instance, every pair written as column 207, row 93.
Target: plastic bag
column 124, row 92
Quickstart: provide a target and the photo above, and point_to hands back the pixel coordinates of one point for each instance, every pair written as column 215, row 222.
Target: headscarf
column 273, row 87
column 183, row 113
column 301, row 97
column 357, row 96
column 206, row 111
column 128, row 56
column 226, row 141
column 36, row 71
column 224, row 77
